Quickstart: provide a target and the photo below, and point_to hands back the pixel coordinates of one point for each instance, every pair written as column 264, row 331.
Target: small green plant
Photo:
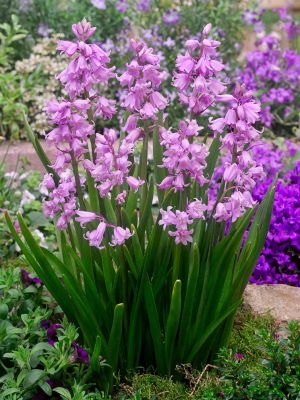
column 9, row 35
column 19, row 192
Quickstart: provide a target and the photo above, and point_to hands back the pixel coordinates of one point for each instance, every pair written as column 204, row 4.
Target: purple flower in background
column 100, row 4
column 144, row 5
column 52, row 333
column 279, row 261
column 43, row 29
column 27, row 279
column 254, row 18
column 292, row 29
column 275, row 73
column 171, row 17
column 122, row 6
column 80, row 354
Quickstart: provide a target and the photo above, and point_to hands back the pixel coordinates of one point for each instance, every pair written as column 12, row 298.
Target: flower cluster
column 185, row 159
column 181, row 220
column 196, row 70
column 111, row 167
column 61, row 198
column 182, row 158
column 279, row 258
column 143, row 78
column 103, row 156
column 88, row 65
column 241, row 171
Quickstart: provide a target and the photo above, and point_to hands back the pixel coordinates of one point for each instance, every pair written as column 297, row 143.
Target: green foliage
column 9, row 34
column 275, row 374
column 19, row 191
column 28, row 364
column 58, row 15
column 11, row 90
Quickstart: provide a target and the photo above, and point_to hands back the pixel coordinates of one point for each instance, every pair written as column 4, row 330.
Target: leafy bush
column 11, row 89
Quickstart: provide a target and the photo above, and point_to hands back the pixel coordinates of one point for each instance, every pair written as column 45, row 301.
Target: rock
column 281, row 301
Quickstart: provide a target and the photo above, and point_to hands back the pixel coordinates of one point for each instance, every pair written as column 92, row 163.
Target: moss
column 243, row 340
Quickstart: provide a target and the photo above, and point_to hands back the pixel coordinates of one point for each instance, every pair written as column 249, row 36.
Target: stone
column 281, row 301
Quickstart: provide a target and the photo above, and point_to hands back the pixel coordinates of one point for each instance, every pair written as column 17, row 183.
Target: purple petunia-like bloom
column 27, row 278
column 52, row 332
column 80, row 354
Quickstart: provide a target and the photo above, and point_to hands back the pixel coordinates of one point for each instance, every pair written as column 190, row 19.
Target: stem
column 77, row 181
column 144, row 155
column 176, row 264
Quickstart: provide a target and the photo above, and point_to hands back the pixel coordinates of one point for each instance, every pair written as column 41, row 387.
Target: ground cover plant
column 100, row 195
column 279, row 261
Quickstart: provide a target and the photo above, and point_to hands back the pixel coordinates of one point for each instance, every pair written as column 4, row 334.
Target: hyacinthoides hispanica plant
column 147, row 289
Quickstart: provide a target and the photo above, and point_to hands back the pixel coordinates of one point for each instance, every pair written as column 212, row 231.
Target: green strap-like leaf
column 189, row 301
column 44, row 272
column 209, row 329
column 95, row 363
column 154, row 324
column 255, row 239
column 173, row 323
column 39, row 150
column 115, row 337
